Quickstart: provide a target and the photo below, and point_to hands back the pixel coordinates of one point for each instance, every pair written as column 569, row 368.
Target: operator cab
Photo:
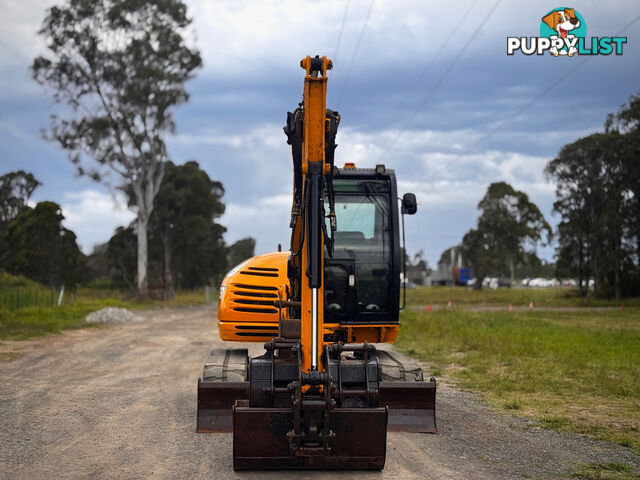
column 362, row 278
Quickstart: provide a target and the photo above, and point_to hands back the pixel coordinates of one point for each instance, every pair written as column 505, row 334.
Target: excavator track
column 396, row 368
column 224, row 380
column 226, row 365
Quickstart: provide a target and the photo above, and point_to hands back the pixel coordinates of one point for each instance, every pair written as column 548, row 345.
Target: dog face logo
column 563, row 23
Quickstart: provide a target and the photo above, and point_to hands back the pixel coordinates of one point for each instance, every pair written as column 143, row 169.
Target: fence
column 16, row 298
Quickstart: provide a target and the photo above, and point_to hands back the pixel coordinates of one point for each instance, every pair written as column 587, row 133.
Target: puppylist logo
column 563, row 32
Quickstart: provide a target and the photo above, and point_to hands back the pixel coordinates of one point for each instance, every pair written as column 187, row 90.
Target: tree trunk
column 479, row 279
column 638, row 269
column 583, row 292
column 145, row 188
column 167, row 277
column 512, row 271
column 617, row 266
column 142, row 254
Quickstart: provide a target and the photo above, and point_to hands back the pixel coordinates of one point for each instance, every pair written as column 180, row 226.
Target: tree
column 625, row 124
column 598, row 196
column 199, row 258
column 40, row 248
column 121, row 256
column 183, row 221
column 509, row 228
column 96, row 269
column 15, row 190
column 581, row 201
column 119, row 68
column 240, row 251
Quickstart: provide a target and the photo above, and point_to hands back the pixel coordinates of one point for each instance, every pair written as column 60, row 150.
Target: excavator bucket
column 261, row 440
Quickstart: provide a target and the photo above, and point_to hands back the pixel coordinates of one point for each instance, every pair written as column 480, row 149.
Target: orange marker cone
column 530, row 305
column 449, row 304
column 428, row 308
column 510, row 308
column 622, row 307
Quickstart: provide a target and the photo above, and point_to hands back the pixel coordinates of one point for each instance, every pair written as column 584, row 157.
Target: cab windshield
column 364, row 236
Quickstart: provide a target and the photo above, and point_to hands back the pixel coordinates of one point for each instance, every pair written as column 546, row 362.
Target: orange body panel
column 245, row 310
column 245, row 313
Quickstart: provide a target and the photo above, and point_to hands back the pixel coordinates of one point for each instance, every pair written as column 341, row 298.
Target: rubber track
column 226, row 365
column 394, row 370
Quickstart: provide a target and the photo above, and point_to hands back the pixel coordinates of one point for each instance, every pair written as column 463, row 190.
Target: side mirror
column 409, row 204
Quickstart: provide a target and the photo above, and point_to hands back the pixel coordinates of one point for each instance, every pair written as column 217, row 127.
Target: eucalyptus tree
column 116, row 69
column 508, row 231
column 598, row 196
column 15, row 190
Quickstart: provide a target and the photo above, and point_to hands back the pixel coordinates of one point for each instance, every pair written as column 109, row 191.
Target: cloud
column 266, row 220
column 93, row 216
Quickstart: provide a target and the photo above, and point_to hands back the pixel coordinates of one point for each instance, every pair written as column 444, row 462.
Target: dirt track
column 120, row 402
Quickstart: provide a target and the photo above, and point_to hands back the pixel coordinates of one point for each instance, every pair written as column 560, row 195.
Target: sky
column 424, row 87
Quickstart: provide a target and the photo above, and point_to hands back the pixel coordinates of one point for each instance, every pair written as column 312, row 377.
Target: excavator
column 326, row 389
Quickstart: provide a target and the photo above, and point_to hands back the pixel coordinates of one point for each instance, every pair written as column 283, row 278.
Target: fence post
column 61, row 296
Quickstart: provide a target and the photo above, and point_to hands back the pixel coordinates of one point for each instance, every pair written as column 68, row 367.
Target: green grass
column 36, row 321
column 556, row 297
column 602, row 471
column 575, row 371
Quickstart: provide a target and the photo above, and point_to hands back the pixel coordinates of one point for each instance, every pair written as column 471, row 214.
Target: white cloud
column 266, row 220
column 94, row 215
column 265, row 135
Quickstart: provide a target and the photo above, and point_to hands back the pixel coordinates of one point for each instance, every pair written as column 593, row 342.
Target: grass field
column 575, row 371
column 556, row 297
column 40, row 320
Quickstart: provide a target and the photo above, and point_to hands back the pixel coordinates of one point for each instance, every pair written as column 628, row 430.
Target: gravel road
column 120, row 402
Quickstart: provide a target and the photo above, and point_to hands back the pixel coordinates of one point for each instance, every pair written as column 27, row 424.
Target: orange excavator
column 322, row 396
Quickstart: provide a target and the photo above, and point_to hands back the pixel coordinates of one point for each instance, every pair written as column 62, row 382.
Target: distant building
column 451, row 269
column 418, row 271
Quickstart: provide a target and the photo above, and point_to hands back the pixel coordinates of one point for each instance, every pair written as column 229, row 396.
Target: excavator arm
column 307, row 259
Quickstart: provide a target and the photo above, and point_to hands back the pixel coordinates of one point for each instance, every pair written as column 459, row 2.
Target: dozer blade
column 412, row 405
column 215, row 404
column 260, row 440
